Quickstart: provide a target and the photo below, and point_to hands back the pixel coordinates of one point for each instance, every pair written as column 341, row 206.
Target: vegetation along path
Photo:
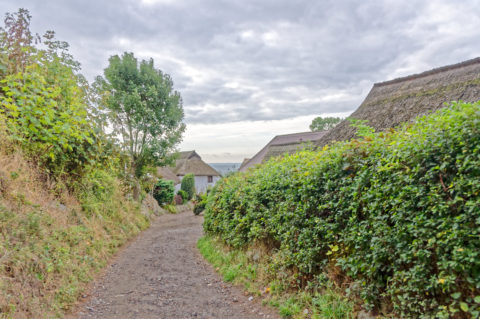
column 162, row 275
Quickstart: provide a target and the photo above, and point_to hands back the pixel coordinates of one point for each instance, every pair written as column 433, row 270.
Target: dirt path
column 162, row 275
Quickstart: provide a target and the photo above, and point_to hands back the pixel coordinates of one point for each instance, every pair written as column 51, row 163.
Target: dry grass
column 50, row 245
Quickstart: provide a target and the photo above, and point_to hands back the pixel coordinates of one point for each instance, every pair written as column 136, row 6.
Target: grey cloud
column 268, row 48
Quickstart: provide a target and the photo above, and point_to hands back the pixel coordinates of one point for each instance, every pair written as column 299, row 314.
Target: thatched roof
column 281, row 144
column 279, row 150
column 245, row 161
column 168, row 174
column 191, row 163
column 188, row 155
column 401, row 100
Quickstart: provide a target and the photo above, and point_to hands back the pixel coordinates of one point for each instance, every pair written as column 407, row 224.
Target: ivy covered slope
column 394, row 217
column 63, row 205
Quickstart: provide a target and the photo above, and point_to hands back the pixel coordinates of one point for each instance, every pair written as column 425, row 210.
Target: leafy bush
column 45, row 102
column 396, row 213
column 200, row 204
column 188, row 185
column 163, row 192
column 171, row 209
column 184, row 195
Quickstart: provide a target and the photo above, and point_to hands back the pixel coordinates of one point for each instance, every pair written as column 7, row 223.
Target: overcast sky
column 251, row 69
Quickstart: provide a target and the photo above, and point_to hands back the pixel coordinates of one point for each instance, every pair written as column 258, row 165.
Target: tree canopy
column 324, row 123
column 144, row 110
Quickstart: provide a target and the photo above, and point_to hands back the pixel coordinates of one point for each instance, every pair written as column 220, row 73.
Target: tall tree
column 324, row 123
column 145, row 111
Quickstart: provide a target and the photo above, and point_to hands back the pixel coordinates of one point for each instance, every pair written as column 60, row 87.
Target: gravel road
column 162, row 275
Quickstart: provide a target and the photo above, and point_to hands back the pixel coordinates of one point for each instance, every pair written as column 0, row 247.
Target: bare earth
column 162, row 275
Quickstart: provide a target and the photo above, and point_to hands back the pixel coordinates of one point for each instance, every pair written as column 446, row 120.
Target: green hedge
column 200, row 204
column 398, row 213
column 183, row 194
column 163, row 192
column 188, row 185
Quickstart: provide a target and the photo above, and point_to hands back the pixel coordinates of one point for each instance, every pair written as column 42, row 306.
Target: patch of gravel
column 162, row 275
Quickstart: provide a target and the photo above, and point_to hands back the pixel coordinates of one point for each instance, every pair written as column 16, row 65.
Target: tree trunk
column 136, row 190
column 136, row 184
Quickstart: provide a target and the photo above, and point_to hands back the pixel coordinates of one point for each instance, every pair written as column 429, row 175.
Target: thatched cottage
column 281, row 144
column 401, row 100
column 190, row 163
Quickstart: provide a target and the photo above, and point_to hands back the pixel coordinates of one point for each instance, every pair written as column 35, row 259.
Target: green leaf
column 456, row 295
column 464, row 306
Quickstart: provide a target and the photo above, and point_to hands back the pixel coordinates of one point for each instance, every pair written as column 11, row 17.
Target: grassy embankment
column 252, row 272
column 52, row 245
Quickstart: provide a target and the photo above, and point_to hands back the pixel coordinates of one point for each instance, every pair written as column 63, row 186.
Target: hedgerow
column 396, row 213
column 200, row 203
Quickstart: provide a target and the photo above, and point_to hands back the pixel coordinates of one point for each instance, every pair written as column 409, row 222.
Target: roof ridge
column 196, row 166
column 430, row 72
column 293, row 143
column 312, row 132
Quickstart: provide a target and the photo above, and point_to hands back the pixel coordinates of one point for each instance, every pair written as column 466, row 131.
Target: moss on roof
column 401, row 100
column 191, row 163
column 167, row 174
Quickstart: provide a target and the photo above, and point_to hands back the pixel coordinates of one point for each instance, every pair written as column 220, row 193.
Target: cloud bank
column 257, row 61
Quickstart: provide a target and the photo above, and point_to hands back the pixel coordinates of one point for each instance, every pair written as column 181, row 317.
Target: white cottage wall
column 177, row 187
column 201, row 183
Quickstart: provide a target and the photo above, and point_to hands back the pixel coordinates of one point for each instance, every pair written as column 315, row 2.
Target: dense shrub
column 183, row 195
column 397, row 213
column 163, row 192
column 200, row 204
column 49, row 121
column 44, row 99
column 188, row 185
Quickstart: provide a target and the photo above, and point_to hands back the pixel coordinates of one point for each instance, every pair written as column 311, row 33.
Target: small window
column 210, row 179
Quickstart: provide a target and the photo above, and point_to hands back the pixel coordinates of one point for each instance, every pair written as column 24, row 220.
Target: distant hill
column 225, row 168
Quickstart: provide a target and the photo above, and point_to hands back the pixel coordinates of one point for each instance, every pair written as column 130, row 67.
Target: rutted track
column 162, row 275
